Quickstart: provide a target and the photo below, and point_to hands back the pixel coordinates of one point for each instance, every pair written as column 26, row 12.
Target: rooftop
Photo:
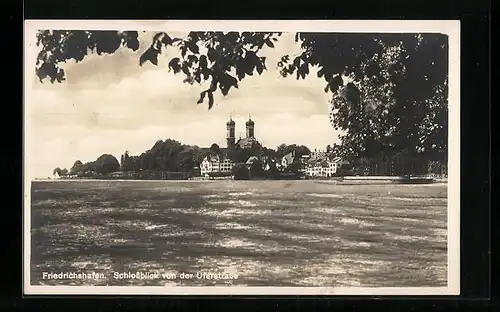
column 247, row 142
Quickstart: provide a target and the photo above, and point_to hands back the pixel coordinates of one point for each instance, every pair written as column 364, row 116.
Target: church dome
column 250, row 122
column 230, row 122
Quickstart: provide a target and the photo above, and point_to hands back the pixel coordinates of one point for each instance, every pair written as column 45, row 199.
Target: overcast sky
column 109, row 105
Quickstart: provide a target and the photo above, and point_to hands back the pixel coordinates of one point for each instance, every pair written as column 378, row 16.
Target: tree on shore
column 215, row 149
column 256, row 169
column 104, row 164
column 169, row 155
column 240, row 172
column 76, row 167
column 60, row 172
column 241, row 155
column 394, row 100
column 285, row 149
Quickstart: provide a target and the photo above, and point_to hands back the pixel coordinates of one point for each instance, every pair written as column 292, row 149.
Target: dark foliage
column 168, row 155
column 60, row 172
column 299, row 150
column 256, row 170
column 105, row 164
column 240, row 172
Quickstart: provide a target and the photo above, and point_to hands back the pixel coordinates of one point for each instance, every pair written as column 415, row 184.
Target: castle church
column 248, row 141
column 221, row 163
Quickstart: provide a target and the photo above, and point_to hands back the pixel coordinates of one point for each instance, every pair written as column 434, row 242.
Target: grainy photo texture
column 306, row 160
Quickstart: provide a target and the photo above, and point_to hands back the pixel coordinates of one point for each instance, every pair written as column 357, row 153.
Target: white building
column 325, row 168
column 215, row 164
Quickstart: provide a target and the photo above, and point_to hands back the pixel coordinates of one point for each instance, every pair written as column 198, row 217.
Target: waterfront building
column 325, row 168
column 222, row 162
column 215, row 163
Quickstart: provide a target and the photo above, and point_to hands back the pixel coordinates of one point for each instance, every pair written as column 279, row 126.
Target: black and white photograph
column 241, row 157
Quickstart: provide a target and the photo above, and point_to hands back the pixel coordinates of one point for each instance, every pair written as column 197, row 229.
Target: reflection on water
column 269, row 233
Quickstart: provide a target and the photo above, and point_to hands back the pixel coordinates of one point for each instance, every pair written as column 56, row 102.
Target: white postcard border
column 449, row 27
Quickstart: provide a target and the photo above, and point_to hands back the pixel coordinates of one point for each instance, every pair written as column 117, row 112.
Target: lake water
column 268, row 233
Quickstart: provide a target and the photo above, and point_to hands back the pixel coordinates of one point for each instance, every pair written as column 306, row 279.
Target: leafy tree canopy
column 105, row 164
column 394, row 100
column 215, row 149
column 240, row 172
column 60, row 172
column 299, row 150
column 256, row 169
column 168, row 155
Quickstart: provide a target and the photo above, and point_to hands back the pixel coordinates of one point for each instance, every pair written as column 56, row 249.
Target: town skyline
column 110, row 105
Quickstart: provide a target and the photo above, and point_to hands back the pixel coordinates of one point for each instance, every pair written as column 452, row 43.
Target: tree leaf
column 132, row 40
column 203, row 62
column 224, row 89
column 320, row 73
column 212, row 54
column 247, row 65
column 185, row 68
column 213, row 85
column 193, row 47
column 174, row 64
column 226, row 82
column 183, row 49
column 206, row 74
column 240, row 73
column 202, row 97
column 232, row 81
column 269, row 43
column 335, row 83
column 149, row 55
column 107, row 41
column 157, row 36
column 166, row 40
column 304, row 70
column 210, row 100
column 259, row 67
column 189, row 79
column 192, row 59
column 157, row 46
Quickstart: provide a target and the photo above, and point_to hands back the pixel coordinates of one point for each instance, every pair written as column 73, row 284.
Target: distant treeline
column 105, row 164
column 172, row 156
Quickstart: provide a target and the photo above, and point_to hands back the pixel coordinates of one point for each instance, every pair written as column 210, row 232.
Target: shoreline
column 350, row 181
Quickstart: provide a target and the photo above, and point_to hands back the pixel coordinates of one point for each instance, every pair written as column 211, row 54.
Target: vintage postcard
column 242, row 157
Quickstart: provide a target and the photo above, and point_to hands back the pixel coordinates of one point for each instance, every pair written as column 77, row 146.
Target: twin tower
column 231, row 138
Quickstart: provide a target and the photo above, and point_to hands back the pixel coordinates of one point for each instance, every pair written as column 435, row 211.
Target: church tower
column 230, row 137
column 250, row 128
